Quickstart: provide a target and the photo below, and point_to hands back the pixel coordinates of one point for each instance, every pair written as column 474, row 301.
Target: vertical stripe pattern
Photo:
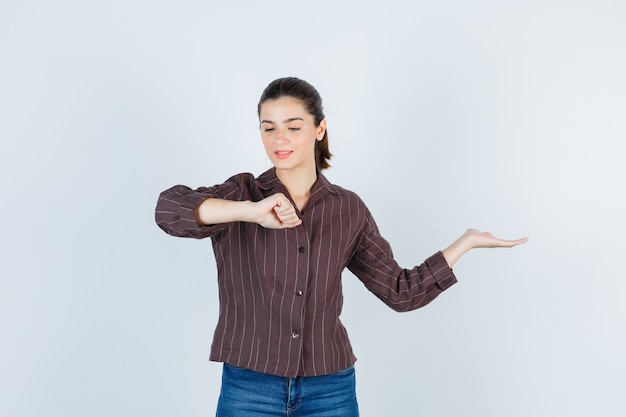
column 280, row 291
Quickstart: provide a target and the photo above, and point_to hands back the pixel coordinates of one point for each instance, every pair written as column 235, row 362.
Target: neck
column 299, row 183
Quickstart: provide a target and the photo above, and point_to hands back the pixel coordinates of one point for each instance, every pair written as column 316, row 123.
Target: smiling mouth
column 282, row 154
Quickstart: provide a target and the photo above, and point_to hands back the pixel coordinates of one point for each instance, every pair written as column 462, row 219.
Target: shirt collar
column 268, row 181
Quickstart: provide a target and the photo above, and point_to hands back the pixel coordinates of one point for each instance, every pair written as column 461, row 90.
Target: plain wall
column 504, row 116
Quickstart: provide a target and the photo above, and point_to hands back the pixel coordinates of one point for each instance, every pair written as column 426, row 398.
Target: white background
column 504, row 116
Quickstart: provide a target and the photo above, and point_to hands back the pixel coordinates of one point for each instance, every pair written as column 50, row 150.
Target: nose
column 281, row 136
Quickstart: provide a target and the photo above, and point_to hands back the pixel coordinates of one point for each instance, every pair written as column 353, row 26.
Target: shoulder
column 343, row 192
column 243, row 177
column 346, row 195
column 242, row 180
column 234, row 188
column 337, row 189
column 247, row 186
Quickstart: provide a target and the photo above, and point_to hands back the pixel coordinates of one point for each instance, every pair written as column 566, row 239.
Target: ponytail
column 322, row 153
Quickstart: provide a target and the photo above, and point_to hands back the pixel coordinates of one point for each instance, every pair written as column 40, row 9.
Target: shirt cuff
column 442, row 273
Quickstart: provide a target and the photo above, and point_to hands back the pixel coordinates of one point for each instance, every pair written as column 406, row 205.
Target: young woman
column 281, row 241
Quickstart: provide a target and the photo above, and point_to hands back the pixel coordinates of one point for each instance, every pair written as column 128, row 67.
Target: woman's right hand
column 276, row 212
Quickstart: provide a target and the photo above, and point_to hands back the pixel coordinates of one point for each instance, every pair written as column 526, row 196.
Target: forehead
column 283, row 108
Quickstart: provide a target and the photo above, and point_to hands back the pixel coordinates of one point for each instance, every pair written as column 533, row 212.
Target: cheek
column 267, row 142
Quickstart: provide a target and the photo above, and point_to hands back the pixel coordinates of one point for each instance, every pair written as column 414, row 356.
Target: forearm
column 457, row 249
column 274, row 212
column 217, row 211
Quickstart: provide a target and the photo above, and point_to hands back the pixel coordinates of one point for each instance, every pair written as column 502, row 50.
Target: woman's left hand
column 473, row 239
column 478, row 239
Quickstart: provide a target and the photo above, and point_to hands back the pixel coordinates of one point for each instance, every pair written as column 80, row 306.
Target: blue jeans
column 246, row 393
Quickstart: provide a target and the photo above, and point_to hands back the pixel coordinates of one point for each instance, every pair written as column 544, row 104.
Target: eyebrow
column 292, row 119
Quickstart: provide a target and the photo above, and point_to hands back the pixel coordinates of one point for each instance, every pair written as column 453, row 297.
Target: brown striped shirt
column 280, row 289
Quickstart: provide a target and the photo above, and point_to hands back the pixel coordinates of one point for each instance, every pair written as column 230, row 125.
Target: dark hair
column 310, row 98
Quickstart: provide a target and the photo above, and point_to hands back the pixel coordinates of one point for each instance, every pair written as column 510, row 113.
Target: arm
column 206, row 211
column 400, row 288
column 273, row 212
column 408, row 289
column 473, row 239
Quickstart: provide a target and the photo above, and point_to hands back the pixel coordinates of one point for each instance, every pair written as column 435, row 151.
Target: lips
column 283, row 154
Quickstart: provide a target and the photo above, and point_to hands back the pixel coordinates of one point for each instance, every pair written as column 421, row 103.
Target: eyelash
column 270, row 129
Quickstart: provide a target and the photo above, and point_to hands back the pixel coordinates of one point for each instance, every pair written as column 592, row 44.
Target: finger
column 511, row 243
column 521, row 240
column 287, row 217
column 291, row 223
column 290, row 220
column 284, row 211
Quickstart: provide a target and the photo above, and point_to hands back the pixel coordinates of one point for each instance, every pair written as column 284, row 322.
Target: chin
column 282, row 167
column 278, row 164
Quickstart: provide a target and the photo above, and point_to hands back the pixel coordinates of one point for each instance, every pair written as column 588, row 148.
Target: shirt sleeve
column 175, row 209
column 399, row 288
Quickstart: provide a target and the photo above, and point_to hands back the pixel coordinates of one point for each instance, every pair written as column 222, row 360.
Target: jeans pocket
column 347, row 371
column 234, row 368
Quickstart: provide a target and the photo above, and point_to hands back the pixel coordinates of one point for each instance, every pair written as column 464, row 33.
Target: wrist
column 250, row 212
column 457, row 249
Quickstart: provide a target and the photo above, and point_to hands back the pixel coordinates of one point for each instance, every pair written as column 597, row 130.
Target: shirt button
column 295, row 335
column 301, row 249
column 299, row 293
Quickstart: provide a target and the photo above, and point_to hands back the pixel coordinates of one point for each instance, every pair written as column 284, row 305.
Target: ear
column 321, row 129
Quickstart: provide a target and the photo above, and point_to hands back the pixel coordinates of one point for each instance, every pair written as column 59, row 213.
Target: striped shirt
column 280, row 290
